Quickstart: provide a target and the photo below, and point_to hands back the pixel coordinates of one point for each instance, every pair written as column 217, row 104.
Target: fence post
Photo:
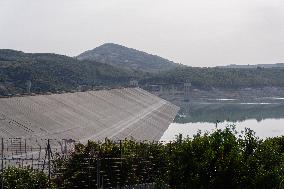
column 89, row 170
column 48, row 156
column 121, row 154
column 121, row 172
column 98, row 173
column 2, row 163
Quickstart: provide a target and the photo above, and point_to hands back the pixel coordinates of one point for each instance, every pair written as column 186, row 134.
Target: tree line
column 221, row 77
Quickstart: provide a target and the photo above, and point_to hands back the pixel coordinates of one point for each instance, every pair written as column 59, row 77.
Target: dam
column 91, row 115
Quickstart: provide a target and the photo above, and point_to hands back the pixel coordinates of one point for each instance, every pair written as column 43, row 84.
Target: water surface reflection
column 265, row 118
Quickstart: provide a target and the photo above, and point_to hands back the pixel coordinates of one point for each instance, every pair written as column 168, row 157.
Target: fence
column 110, row 165
column 33, row 153
column 214, row 161
column 93, row 170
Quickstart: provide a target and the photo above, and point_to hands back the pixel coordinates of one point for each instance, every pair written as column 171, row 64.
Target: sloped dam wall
column 91, row 115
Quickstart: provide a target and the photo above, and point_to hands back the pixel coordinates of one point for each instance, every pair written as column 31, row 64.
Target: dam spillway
column 91, row 115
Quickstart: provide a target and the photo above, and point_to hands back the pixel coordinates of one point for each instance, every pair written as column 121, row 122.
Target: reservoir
column 264, row 116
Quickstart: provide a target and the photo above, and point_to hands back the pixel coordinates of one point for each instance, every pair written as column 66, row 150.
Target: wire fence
column 92, row 170
column 131, row 164
column 36, row 154
column 109, row 165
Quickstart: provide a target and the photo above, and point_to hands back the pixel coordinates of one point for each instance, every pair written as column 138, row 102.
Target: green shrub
column 218, row 160
column 24, row 178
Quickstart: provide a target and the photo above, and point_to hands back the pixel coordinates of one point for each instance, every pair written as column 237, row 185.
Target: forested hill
column 50, row 72
column 127, row 58
column 222, row 77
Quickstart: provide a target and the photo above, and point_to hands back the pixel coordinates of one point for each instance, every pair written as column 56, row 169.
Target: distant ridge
column 128, row 58
column 277, row 65
column 54, row 72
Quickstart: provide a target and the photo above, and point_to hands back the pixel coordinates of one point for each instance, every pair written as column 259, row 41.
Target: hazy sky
column 191, row 32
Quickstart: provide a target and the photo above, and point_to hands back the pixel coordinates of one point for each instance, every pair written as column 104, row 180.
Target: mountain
column 51, row 72
column 277, row 65
column 123, row 57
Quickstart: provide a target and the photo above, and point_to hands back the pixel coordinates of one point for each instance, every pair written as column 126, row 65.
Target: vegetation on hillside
column 51, row 72
column 221, row 77
column 128, row 58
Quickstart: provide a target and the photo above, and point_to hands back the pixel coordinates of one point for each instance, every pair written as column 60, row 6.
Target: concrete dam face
column 92, row 115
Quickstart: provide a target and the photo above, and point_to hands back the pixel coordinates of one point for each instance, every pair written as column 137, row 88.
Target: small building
column 134, row 83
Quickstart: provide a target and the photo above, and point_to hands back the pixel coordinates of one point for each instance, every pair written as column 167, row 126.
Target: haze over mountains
column 128, row 58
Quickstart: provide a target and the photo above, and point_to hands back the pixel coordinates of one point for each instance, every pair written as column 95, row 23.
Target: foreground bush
column 222, row 159
column 24, row 179
column 218, row 160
